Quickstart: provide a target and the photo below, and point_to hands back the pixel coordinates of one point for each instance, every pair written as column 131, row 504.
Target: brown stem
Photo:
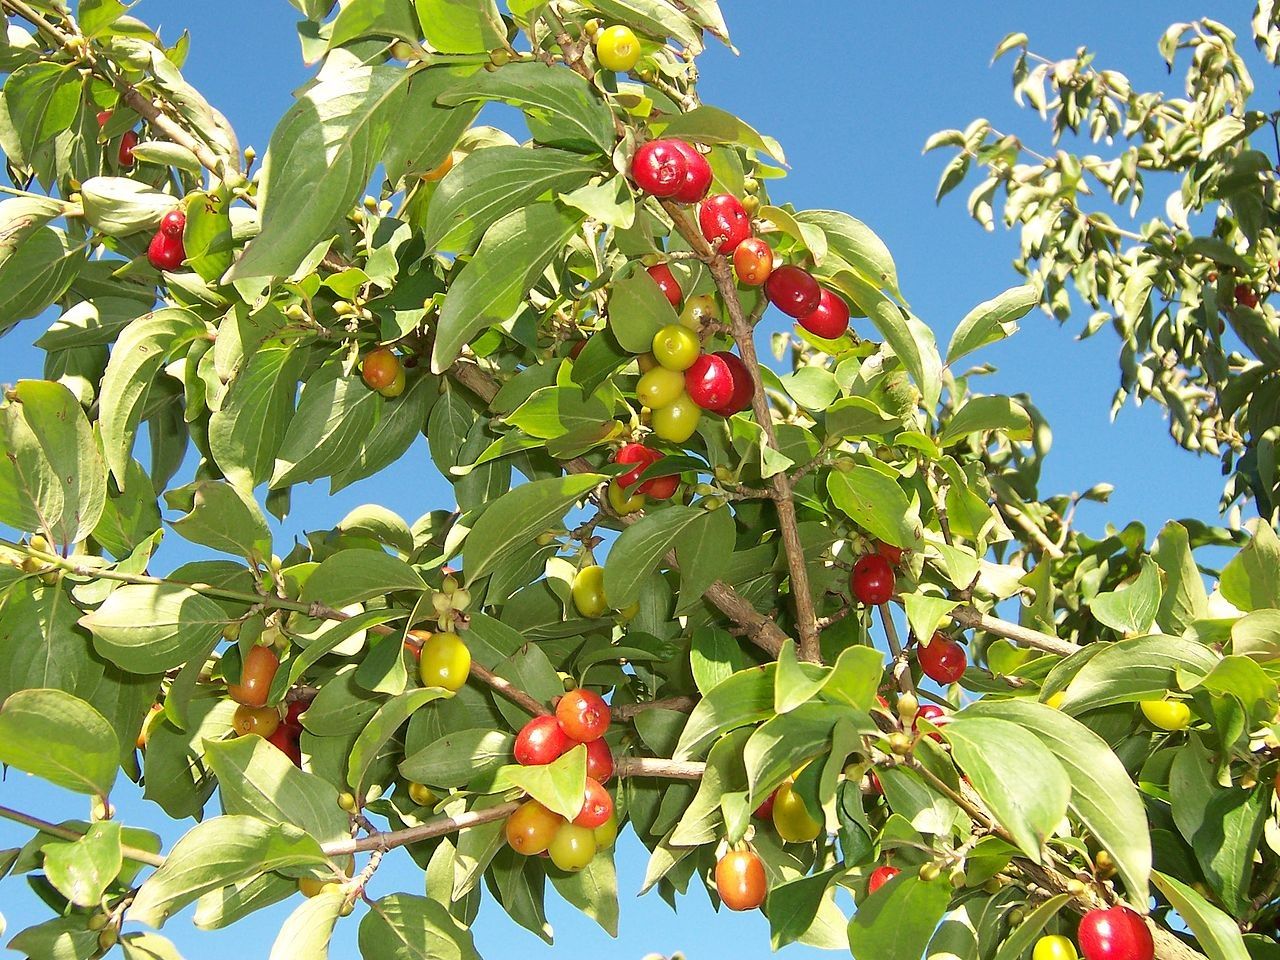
column 972, row 617
column 626, row 711
column 658, row 767
column 509, row 690
column 438, row 827
column 901, row 665
column 67, row 833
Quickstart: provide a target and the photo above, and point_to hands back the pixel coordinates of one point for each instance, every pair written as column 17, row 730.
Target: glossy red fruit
column 293, row 714
column 285, row 739
column 540, row 741
column 698, row 180
column 709, row 382
column 889, row 552
column 638, row 454
column 877, row 789
column 830, row 319
column 934, row 714
column 583, row 715
column 753, row 262
column 166, row 252
column 743, row 388
column 127, row 142
column 740, row 880
column 1115, row 934
column 880, row 876
column 872, row 581
column 724, row 223
column 103, row 117
column 667, row 283
column 257, row 671
column 765, row 810
column 793, row 290
column 173, row 223
column 599, row 761
column 943, row 660
column 597, row 806
column 1245, row 296
column 660, row 488
column 659, row 168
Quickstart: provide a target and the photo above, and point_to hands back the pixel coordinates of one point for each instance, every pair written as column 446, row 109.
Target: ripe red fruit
column 379, row 368
column 660, row 488
column 638, row 454
column 872, row 581
column 934, row 714
column 667, row 283
column 166, row 252
column 753, row 261
column 127, row 143
column 880, row 876
column 597, row 806
column 285, row 739
column 103, row 117
column 173, row 223
column 740, row 880
column 709, row 382
column 293, row 714
column 599, row 761
column 765, row 810
column 659, row 168
column 830, row 319
column 723, row 221
column 1115, row 934
column 793, row 290
column 943, row 660
column 540, row 741
column 743, row 388
column 257, row 671
column 583, row 715
column 1246, row 296
column 697, row 181
column 889, row 552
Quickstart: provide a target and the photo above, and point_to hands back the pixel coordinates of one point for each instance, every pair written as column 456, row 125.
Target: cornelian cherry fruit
column 257, row 671
column 709, row 382
column 667, row 283
column 793, row 290
column 599, row 760
column 379, row 368
column 697, row 181
column 531, row 828
column 740, row 880
column 1246, row 296
column 889, row 552
column 1115, row 934
column 572, row 847
column 724, row 222
column 659, row 168
column 934, row 714
column 583, row 715
column 872, row 581
column 165, row 252
column 444, row 662
column 597, row 806
column 260, row 721
column 678, row 420
column 753, row 261
column 659, row 386
column 743, row 388
column 285, row 739
column 676, row 347
column 638, row 454
column 661, row 488
column 765, row 810
column 540, row 741
column 128, row 141
column 829, row 319
column 880, row 876
column 943, row 660
column 621, row 502
column 617, row 48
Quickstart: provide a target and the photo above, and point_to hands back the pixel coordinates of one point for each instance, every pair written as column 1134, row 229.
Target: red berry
column 659, row 168
column 723, row 221
column 540, row 741
column 872, row 581
column 597, row 806
column 740, row 880
column 576, row 349
column 599, row 761
column 1115, row 934
column 293, row 713
column 660, row 488
column 876, row 788
column 698, row 180
column 583, row 715
column 793, row 290
column 127, row 143
column 285, row 739
column 667, row 283
column 638, row 454
column 1246, row 296
column 880, row 876
column 830, row 319
column 166, row 252
column 943, row 660
column 743, row 388
column 765, row 810
column 934, row 714
column 753, row 261
column 104, row 117
column 173, row 223
column 709, row 382
column 889, row 552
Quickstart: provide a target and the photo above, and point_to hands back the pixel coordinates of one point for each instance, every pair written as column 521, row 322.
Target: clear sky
column 852, row 89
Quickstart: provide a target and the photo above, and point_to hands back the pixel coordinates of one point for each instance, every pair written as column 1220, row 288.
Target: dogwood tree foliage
column 221, row 332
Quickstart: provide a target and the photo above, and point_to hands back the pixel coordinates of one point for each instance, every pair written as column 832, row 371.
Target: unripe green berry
column 929, row 872
column 908, row 705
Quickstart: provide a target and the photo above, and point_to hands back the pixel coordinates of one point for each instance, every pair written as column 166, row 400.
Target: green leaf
column 554, row 411
column 256, row 779
column 561, row 108
column 714, row 656
column 1021, row 938
column 855, row 243
column 41, row 99
column 147, row 628
column 136, row 360
column 992, row 321
column 793, row 906
column 336, row 415
column 851, row 418
column 1184, row 599
column 639, row 550
column 148, row 946
column 1020, row 780
column 518, row 517
column 59, row 738
column 222, row 517
column 558, row 786
column 459, row 757
column 981, row 414
column 876, row 503
column 374, row 18
column 898, row 922
column 1216, row 933
column 1103, row 796
column 1143, row 668
column 396, row 428
column 351, row 576
column 65, row 938
column 52, row 476
column 246, row 431
column 216, row 853
column 654, row 17
column 37, row 274
column 814, row 388
column 390, row 717
column 637, row 311
column 307, row 931
column 784, row 742
column 593, row 890
column 461, row 26
column 491, row 287
column 493, row 183
column 82, row 870
column 1257, row 635
column 404, row 927
column 711, row 125
column 117, row 206
column 742, row 699
column 1131, row 608
column 1251, row 580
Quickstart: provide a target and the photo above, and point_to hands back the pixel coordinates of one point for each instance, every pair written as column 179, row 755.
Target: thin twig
column 901, row 665
column 67, row 833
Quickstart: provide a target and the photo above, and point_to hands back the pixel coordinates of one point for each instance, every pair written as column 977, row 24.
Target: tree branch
column 973, row 617
column 901, row 665
column 67, row 833
column 626, row 711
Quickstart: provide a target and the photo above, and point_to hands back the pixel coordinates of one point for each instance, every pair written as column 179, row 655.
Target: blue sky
column 852, row 90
